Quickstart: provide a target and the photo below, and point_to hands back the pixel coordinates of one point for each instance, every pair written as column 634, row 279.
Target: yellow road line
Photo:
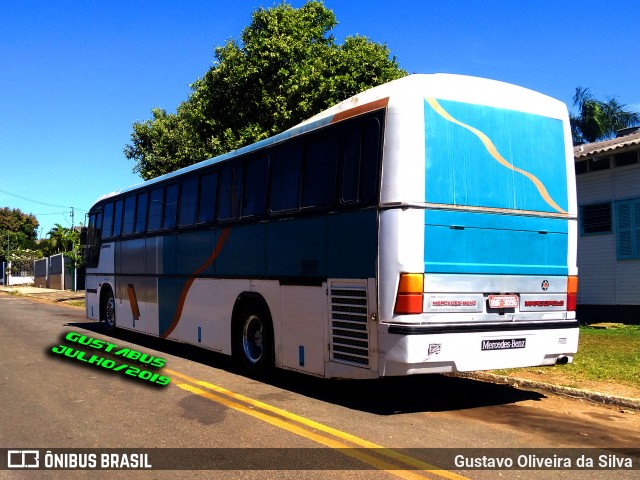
column 398, row 457
column 342, row 448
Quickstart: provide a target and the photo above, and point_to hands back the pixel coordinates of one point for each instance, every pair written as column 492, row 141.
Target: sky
column 75, row 75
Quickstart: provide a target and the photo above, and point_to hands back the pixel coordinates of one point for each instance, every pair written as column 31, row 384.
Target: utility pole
column 75, row 271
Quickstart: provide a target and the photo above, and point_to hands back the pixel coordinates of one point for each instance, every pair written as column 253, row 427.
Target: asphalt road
column 287, row 426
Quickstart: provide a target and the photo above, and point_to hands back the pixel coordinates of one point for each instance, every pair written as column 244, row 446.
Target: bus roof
column 446, row 86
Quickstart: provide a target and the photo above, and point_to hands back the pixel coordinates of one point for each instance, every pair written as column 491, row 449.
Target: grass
column 75, row 303
column 607, row 355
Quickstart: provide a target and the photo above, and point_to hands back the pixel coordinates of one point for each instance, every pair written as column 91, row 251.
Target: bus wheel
column 109, row 312
column 255, row 340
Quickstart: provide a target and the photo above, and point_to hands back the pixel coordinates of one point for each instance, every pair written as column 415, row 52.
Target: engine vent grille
column 349, row 324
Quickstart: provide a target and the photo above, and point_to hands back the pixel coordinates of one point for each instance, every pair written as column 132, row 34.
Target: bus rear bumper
column 406, row 350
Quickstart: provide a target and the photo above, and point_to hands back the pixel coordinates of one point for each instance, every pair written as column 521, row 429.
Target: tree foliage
column 18, row 233
column 286, row 68
column 62, row 240
column 598, row 120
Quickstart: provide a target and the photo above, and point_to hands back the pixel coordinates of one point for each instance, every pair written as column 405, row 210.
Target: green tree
column 18, row 233
column 598, row 120
column 63, row 240
column 286, row 68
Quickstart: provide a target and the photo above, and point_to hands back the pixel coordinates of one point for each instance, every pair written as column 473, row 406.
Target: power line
column 37, row 201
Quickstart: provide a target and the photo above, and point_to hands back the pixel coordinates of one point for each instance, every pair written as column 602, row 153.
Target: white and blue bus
column 425, row 225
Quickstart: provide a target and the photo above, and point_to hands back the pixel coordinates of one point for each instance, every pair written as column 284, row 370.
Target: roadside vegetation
column 608, row 355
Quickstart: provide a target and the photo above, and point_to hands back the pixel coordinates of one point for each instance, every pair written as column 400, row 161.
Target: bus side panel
column 205, row 319
column 304, row 313
column 297, row 248
column 353, row 244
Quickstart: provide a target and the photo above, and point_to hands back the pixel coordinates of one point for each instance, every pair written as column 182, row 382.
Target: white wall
column 603, row 280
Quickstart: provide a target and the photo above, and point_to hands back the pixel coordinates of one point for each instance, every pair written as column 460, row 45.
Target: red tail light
column 572, row 293
column 410, row 294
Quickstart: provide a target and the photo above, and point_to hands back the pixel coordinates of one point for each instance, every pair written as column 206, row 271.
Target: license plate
column 503, row 301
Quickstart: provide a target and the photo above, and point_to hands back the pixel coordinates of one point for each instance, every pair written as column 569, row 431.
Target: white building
column 608, row 186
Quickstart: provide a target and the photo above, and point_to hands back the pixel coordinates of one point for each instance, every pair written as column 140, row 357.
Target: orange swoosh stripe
column 185, row 290
column 493, row 151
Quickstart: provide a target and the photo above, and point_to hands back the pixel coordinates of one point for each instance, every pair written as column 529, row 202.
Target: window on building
column 599, row 163
column 581, row 167
column 628, row 229
column 626, row 158
column 595, row 218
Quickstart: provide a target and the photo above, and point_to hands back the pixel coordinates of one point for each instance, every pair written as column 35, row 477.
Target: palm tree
column 598, row 120
column 61, row 240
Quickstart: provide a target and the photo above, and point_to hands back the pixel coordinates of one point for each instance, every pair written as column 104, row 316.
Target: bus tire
column 108, row 311
column 254, row 339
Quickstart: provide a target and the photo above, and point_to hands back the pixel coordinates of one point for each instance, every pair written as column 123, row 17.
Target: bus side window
column 230, row 192
column 208, row 195
column 255, row 187
column 117, row 224
column 188, row 202
column 129, row 214
column 360, row 158
column 141, row 214
column 351, row 166
column 285, row 179
column 370, row 158
column 155, row 209
column 170, row 206
column 107, row 227
column 319, row 174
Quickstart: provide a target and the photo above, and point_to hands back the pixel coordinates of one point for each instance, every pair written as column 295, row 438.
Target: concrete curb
column 630, row 403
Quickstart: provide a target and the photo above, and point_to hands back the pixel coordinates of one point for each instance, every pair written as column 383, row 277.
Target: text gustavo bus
column 109, row 364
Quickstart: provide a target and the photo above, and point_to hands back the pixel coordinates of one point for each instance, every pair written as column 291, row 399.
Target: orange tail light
column 572, row 293
column 410, row 294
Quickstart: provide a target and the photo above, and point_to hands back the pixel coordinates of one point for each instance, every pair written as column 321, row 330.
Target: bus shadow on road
column 385, row 396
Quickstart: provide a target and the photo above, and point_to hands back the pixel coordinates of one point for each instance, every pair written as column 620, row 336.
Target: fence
column 18, row 272
column 56, row 272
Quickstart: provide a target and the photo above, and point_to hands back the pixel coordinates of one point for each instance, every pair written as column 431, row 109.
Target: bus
column 427, row 225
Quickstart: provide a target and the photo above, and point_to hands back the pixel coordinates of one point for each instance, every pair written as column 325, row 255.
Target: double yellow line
column 375, row 455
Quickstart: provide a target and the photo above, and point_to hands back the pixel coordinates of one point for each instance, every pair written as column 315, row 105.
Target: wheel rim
column 110, row 312
column 252, row 339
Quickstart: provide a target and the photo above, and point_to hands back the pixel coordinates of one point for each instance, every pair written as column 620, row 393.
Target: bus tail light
column 572, row 293
column 410, row 294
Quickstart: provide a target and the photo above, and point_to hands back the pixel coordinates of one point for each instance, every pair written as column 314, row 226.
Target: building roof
column 591, row 149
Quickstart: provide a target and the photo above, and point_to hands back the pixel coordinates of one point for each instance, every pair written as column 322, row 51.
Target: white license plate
column 503, row 301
